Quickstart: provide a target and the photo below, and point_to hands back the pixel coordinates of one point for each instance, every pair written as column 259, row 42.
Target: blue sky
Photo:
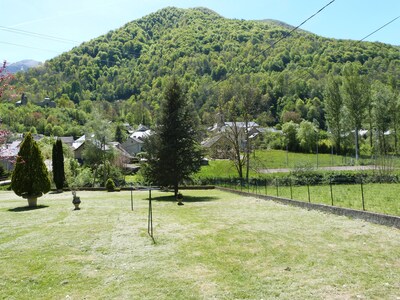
column 76, row 21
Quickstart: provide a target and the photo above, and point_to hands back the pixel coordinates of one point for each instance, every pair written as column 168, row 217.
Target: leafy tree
column 173, row 152
column 97, row 153
column 395, row 116
column 120, row 134
column 290, row 133
column 307, row 135
column 334, row 110
column 239, row 98
column 356, row 98
column 30, row 178
column 5, row 78
column 58, row 165
column 383, row 102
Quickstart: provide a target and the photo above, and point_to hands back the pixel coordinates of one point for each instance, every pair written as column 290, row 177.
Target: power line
column 379, row 28
column 297, row 27
column 29, row 47
column 272, row 45
column 38, row 35
column 367, row 36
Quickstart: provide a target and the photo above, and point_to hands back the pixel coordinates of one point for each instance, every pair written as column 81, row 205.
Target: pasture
column 216, row 246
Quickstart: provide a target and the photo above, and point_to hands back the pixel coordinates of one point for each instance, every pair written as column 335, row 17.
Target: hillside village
column 215, row 145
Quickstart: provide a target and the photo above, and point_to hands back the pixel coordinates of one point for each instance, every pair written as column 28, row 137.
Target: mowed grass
column 378, row 197
column 217, row 246
column 275, row 159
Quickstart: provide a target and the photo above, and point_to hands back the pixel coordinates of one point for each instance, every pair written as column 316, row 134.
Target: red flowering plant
column 5, row 79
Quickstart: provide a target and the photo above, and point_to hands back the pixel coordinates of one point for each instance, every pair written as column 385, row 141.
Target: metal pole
column 362, row 194
column 330, row 184
column 266, row 187
column 131, row 197
column 150, row 217
column 287, row 155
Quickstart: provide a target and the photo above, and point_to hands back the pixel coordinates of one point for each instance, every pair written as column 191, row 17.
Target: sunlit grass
column 217, row 246
column 379, row 198
column 276, row 159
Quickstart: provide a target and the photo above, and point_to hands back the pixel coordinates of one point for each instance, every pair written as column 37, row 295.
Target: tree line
column 130, row 66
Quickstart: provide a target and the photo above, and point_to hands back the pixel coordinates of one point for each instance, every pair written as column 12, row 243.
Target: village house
column 78, row 146
column 134, row 143
column 219, row 143
column 8, row 155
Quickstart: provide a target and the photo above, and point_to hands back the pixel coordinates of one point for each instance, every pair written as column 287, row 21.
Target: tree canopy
column 30, row 178
column 58, row 165
column 204, row 49
column 173, row 152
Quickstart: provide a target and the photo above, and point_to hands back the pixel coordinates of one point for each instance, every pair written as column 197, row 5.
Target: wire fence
column 359, row 194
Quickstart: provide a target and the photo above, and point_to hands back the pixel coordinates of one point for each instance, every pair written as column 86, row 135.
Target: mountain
column 23, row 65
column 207, row 51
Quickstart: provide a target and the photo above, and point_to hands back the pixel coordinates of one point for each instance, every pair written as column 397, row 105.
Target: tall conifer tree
column 30, row 178
column 173, row 150
column 58, row 165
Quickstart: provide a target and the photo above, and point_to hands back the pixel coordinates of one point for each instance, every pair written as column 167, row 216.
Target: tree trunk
column 32, row 201
column 247, row 152
column 356, row 136
column 176, row 190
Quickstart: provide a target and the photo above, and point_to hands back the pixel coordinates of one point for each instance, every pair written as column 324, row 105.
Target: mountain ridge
column 22, row 65
column 205, row 49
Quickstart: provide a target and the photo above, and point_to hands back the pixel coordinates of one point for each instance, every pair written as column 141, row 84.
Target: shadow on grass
column 186, row 199
column 27, row 208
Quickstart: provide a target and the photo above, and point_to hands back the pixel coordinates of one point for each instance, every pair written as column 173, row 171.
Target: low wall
column 372, row 217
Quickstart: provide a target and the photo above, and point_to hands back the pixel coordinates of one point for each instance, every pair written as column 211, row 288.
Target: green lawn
column 379, row 198
column 217, row 246
column 276, row 159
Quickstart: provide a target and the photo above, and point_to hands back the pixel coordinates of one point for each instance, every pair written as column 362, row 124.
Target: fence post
column 330, row 185
column 362, row 193
column 266, row 187
column 277, row 186
column 308, row 190
column 291, row 190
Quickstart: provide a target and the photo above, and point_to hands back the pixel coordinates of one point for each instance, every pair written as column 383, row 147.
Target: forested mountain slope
column 205, row 49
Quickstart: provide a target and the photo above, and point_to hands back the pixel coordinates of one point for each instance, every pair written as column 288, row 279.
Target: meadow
column 216, row 246
column 278, row 159
column 379, row 197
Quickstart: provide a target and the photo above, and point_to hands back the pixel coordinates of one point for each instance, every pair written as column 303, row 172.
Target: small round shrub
column 110, row 185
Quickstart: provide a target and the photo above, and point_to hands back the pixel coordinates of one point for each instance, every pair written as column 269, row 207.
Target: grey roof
column 11, row 150
column 69, row 140
column 223, row 126
column 211, row 141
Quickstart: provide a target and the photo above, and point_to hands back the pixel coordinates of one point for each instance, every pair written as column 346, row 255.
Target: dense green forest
column 123, row 72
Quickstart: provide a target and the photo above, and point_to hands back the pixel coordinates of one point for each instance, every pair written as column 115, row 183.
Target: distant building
column 67, row 140
column 8, row 154
column 45, row 103
column 23, row 101
column 134, row 143
column 219, row 144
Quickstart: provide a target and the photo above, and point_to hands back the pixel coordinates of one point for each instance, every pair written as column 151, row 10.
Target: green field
column 217, row 246
column 277, row 159
column 379, row 198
